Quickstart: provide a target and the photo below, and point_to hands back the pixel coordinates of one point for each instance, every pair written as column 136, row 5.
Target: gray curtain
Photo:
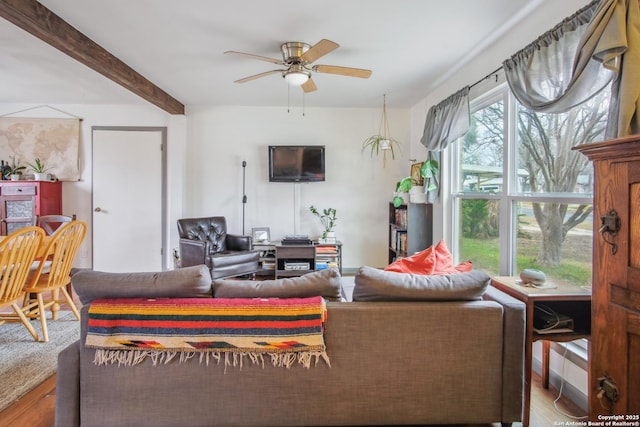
column 578, row 58
column 550, row 75
column 618, row 23
column 447, row 121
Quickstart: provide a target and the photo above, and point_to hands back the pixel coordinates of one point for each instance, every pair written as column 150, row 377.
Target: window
column 522, row 198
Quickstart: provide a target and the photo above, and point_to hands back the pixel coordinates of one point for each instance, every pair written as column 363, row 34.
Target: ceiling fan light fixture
column 297, row 78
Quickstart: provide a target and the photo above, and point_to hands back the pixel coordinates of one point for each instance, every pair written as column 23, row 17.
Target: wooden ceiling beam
column 36, row 19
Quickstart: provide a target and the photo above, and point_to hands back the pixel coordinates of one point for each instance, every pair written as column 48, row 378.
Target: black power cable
column 244, row 195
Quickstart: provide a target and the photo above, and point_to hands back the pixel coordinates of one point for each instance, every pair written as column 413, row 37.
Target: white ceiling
column 410, row 45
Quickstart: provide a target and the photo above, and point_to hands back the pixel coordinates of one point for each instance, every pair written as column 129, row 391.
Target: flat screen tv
column 296, row 163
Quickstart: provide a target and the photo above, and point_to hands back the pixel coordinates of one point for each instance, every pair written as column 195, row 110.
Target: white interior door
column 127, row 199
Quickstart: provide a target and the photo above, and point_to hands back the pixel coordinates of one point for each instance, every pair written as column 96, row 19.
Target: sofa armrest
column 236, row 242
column 193, row 252
column 68, row 387
column 514, row 334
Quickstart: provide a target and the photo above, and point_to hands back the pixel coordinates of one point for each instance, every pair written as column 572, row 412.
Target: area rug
column 27, row 363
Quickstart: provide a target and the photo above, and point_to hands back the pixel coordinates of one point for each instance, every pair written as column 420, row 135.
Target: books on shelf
column 268, row 265
column 323, row 265
column 401, row 217
column 402, row 243
column 398, row 240
column 320, row 249
column 326, row 256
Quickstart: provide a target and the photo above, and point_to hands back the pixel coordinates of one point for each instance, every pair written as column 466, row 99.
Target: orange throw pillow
column 433, row 260
column 464, row 267
column 419, row 263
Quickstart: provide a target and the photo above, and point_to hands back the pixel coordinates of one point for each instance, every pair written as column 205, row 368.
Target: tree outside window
column 544, row 192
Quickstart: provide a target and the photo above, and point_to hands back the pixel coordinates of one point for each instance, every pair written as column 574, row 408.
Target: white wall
column 356, row 185
column 77, row 195
column 206, row 179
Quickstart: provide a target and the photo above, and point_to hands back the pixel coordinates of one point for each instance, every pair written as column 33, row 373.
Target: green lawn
column 484, row 253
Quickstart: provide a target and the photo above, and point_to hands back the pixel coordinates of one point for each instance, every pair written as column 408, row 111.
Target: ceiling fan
column 297, row 58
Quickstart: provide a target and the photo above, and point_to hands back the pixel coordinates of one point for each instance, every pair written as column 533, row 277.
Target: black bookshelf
column 410, row 229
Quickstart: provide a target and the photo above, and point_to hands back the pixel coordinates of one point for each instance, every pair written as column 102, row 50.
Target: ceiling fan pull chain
column 288, row 98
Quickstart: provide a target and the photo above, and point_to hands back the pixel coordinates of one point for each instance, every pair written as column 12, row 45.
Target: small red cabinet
column 21, row 202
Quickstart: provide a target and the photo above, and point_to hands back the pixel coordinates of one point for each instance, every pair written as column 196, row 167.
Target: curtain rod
column 486, row 77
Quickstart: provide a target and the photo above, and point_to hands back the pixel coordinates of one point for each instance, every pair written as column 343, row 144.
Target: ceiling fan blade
column 250, row 55
column 319, row 50
column 343, row 71
column 309, row 86
column 257, row 76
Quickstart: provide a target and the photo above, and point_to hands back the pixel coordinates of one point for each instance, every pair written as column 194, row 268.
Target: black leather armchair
column 205, row 241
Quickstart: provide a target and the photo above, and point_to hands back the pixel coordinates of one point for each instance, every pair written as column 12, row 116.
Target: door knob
column 98, row 209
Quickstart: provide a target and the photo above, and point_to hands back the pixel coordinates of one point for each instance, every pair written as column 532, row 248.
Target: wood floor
column 37, row 408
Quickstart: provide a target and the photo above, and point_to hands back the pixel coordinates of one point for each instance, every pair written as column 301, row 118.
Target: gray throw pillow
column 187, row 282
column 326, row 283
column 372, row 284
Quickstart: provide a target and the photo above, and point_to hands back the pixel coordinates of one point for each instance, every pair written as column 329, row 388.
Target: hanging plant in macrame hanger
column 382, row 141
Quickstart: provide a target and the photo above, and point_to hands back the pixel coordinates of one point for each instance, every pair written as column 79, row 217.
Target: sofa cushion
column 187, row 282
column 433, row 260
column 372, row 284
column 326, row 283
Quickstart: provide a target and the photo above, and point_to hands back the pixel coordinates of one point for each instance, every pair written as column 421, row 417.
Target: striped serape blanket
column 286, row 331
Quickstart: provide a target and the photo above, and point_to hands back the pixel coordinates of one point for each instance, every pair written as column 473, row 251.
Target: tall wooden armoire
column 614, row 366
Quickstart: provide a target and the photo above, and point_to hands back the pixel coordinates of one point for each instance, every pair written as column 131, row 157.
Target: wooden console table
column 571, row 300
column 274, row 256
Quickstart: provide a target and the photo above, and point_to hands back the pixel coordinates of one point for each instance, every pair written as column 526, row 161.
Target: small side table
column 571, row 300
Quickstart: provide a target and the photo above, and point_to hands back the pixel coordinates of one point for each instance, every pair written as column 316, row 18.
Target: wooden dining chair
column 61, row 252
column 50, row 224
column 17, row 252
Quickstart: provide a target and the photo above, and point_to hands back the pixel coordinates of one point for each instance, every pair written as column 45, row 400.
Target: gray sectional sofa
column 419, row 351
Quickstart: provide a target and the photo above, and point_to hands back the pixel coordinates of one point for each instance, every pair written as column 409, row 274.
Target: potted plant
column 417, row 193
column 13, row 171
column 328, row 219
column 429, row 172
column 377, row 143
column 429, row 175
column 382, row 141
column 39, row 170
column 401, row 195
